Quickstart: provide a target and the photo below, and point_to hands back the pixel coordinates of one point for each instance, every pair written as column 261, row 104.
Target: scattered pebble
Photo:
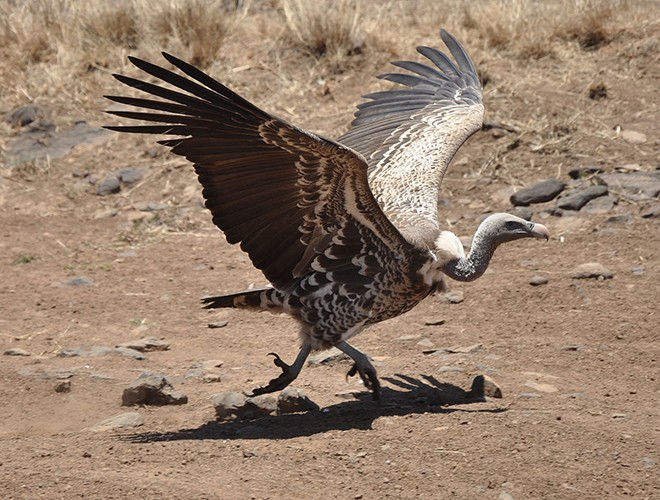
column 483, row 385
column 124, row 420
column 218, row 324
column 575, row 348
column 99, row 350
column 147, row 344
column 538, row 193
column 600, row 205
column 640, row 185
column 638, row 270
column 538, row 280
column 591, row 270
column 77, row 281
column 650, row 212
column 455, row 297
column 541, row 387
column 130, row 176
column 633, row 137
column 522, row 212
column 24, row 115
column 579, row 198
column 109, row 185
column 16, row 351
column 292, row 400
column 626, row 218
column 581, row 172
column 211, row 378
column 63, row 386
column 435, row 322
column 327, row 357
column 151, row 389
column 235, row 405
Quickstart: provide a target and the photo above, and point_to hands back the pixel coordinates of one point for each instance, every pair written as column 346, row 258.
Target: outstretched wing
column 409, row 136
column 285, row 195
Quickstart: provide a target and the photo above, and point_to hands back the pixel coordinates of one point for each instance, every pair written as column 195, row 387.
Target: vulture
column 347, row 232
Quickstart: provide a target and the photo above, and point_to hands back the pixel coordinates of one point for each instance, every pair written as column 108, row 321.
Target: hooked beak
column 540, row 231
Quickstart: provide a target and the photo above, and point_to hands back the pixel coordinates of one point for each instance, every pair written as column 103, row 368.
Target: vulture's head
column 502, row 228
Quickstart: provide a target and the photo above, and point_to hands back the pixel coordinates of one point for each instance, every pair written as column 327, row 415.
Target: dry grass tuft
column 329, row 29
column 532, row 29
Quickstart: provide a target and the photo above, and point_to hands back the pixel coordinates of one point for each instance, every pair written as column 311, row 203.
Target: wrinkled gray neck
column 474, row 265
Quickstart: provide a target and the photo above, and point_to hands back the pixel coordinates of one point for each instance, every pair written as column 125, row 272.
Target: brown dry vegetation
column 563, row 77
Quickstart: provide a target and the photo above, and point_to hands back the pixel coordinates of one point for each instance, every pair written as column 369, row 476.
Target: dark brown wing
column 280, row 192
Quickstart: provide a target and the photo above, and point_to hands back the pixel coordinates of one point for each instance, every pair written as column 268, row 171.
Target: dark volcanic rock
column 579, row 198
column 580, row 172
column 235, row 405
column 24, row 115
column 522, row 212
column 130, row 176
column 538, row 193
column 600, row 205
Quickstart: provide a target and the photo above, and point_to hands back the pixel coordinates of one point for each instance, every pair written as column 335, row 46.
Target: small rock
column 650, row 212
column 597, row 91
column 538, row 193
column 591, row 270
column 24, row 115
column 573, row 348
column 16, row 351
column 504, row 496
column 541, row 387
column 147, row 344
column 425, row 343
column 455, row 297
column 522, row 212
column 639, row 185
column 435, row 322
column 77, row 281
column 125, row 420
column 638, row 270
column 211, row 378
column 218, row 324
column 581, row 172
column 600, row 205
column 451, row 369
column 130, row 176
column 538, row 280
column 633, row 137
column 483, row 385
column 292, row 400
column 463, row 349
column 152, row 390
column 108, row 186
column 328, row 357
column 235, row 405
column 63, row 386
column 625, row 218
column 99, row 350
column 579, row 198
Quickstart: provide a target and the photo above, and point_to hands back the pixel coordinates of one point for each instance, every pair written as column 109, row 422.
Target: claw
column 369, row 379
column 288, row 375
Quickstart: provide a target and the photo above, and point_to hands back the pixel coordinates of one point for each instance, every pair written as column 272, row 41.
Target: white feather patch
column 448, row 247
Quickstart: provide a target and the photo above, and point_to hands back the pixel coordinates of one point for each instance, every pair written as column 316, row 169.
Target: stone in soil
column 63, row 386
column 236, row 405
column 100, row 350
column 152, row 389
column 122, row 421
column 327, row 357
column 293, row 400
column 77, row 281
column 24, row 115
column 455, row 297
column 146, row 344
column 650, row 212
column 600, row 205
column 639, row 185
column 625, row 218
column 130, row 176
column 633, row 137
column 591, row 270
column 581, row 172
column 483, row 385
column 16, row 351
column 522, row 212
column 108, row 186
column 538, row 280
column 539, row 193
column 579, row 198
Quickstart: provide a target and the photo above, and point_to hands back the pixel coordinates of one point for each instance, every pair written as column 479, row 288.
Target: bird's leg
column 363, row 367
column 289, row 372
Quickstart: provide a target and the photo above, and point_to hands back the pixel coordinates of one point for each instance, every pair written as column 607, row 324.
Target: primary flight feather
column 347, row 231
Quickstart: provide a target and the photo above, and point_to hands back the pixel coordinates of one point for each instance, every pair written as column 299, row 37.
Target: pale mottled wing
column 409, row 135
column 284, row 194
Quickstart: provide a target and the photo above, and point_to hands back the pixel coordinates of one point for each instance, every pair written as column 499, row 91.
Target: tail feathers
column 247, row 299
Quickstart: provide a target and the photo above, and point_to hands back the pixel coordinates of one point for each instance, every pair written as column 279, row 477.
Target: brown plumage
column 346, row 232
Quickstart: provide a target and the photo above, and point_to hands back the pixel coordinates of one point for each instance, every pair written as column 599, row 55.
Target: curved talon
column 369, row 379
column 278, row 361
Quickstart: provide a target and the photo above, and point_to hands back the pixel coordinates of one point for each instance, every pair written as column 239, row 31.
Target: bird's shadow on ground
column 408, row 395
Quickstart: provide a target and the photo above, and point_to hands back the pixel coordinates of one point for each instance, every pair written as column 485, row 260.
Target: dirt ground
column 577, row 360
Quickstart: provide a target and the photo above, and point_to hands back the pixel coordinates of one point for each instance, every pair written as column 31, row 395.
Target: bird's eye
column 512, row 225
